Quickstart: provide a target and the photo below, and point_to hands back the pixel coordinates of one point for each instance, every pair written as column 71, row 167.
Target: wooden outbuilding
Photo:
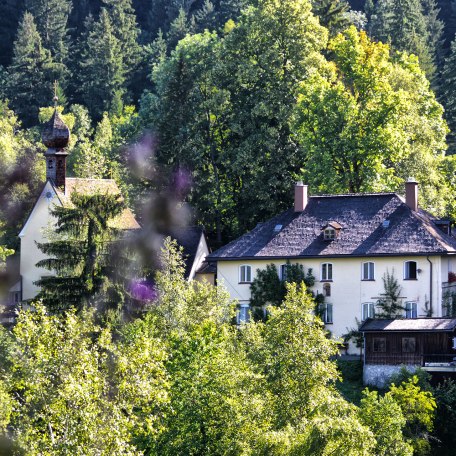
column 429, row 343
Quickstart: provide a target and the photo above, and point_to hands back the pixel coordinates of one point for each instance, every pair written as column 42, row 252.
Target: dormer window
column 329, row 234
column 331, row 231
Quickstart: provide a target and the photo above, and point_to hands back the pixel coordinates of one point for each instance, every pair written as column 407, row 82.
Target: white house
column 349, row 242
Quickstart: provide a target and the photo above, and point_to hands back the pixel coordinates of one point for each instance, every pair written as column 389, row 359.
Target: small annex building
column 428, row 343
column 349, row 241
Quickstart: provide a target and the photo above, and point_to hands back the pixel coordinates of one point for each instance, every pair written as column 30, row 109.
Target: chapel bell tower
column 56, row 136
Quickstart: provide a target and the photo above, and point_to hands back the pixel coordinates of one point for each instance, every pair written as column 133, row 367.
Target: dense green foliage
column 80, row 255
column 268, row 288
column 183, row 380
column 246, row 97
column 242, row 99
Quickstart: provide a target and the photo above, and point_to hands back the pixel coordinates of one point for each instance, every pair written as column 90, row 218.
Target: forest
column 243, row 98
column 219, row 106
column 183, row 380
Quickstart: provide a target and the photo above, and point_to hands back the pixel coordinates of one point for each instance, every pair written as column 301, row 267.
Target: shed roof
column 409, row 324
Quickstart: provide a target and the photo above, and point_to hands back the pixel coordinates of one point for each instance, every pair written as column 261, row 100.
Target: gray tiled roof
column 363, row 232
column 412, row 324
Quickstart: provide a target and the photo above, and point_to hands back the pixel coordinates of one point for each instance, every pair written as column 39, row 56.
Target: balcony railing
column 416, row 359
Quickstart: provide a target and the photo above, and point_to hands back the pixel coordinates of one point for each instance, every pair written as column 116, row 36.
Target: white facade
column 34, row 231
column 201, row 253
column 348, row 290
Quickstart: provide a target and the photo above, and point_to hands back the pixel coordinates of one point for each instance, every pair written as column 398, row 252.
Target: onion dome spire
column 56, row 135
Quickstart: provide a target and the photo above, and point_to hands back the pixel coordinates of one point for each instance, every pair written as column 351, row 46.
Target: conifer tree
column 79, row 256
column 179, row 28
column 332, row 14
column 101, row 72
column 409, row 26
column 51, row 18
column 389, row 304
column 30, row 73
column 448, row 95
column 125, row 29
column 205, row 16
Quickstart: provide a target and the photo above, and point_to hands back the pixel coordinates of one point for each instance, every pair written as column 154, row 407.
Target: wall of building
column 201, row 253
column 39, row 221
column 348, row 291
column 379, row 376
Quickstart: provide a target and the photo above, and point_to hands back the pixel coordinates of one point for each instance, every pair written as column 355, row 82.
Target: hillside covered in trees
column 223, row 104
column 241, row 97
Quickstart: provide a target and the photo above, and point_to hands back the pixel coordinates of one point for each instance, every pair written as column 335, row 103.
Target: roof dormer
column 331, row 230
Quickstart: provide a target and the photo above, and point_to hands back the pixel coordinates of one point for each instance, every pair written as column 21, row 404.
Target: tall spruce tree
column 125, row 29
column 51, row 18
column 100, row 70
column 79, row 257
column 410, row 26
column 180, row 27
column 448, row 95
column 30, row 73
column 332, row 14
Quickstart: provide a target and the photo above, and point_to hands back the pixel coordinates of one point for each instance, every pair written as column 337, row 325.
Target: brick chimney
column 300, row 199
column 411, row 194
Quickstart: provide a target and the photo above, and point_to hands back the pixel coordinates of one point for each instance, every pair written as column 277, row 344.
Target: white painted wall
column 348, row 291
column 33, row 231
column 201, row 253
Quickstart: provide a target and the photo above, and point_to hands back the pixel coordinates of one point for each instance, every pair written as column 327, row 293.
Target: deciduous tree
column 371, row 122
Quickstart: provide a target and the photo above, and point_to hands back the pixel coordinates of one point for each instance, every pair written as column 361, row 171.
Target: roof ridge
column 89, row 179
column 341, row 195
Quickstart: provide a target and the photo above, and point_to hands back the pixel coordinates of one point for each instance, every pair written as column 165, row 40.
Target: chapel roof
column 371, row 224
column 125, row 221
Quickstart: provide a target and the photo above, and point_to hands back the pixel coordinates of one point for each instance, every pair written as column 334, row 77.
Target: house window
column 245, row 273
column 408, row 345
column 283, row 271
column 327, row 289
column 243, row 314
column 325, row 312
column 329, row 234
column 379, row 345
column 411, row 310
column 368, row 272
column 410, row 270
column 368, row 310
column 326, row 271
